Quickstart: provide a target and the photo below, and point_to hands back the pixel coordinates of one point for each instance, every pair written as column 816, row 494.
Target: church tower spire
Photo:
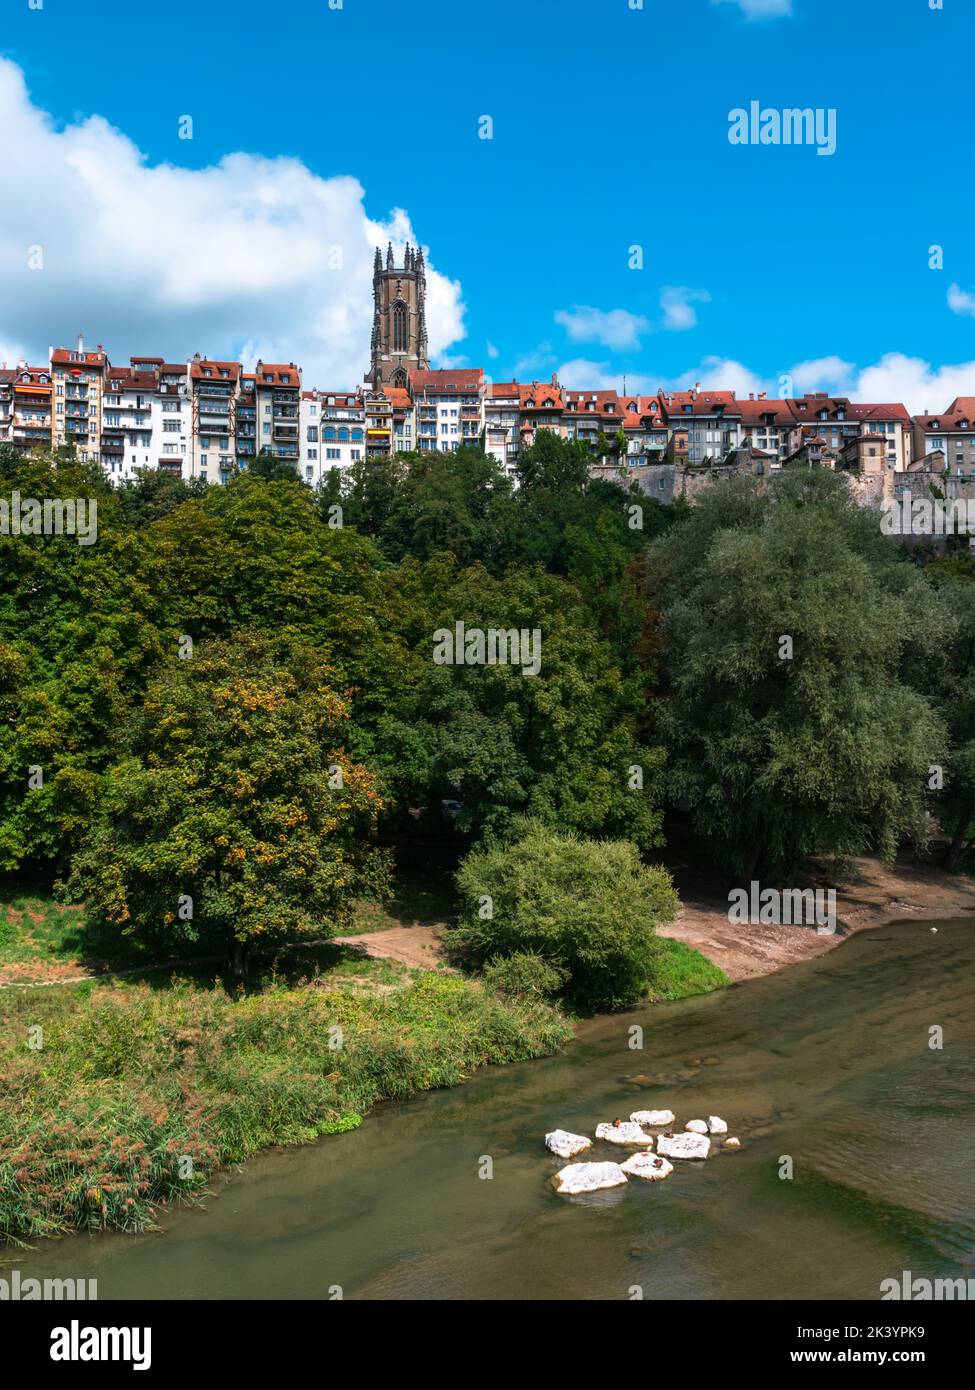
column 399, row 331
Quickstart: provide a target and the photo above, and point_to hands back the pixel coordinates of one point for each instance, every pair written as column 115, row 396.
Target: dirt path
column 879, row 893
column 417, row 946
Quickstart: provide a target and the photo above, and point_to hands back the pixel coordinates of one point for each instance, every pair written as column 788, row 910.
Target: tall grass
column 137, row 1094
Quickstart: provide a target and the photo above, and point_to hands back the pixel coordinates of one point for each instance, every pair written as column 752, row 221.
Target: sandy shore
column 877, row 893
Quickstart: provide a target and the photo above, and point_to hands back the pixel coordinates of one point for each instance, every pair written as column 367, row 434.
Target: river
column 827, row 1062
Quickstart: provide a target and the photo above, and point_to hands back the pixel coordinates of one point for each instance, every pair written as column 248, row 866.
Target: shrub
column 525, row 973
column 587, row 907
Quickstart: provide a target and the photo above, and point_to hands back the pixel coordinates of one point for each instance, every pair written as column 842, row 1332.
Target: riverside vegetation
column 222, row 730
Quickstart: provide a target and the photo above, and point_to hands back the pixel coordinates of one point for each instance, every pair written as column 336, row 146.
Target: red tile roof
column 540, row 395
column 463, row 380
column 68, row 357
column 280, row 374
column 205, row 370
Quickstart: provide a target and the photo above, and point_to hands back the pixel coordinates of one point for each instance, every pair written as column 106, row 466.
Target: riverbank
column 873, row 894
column 119, row 1098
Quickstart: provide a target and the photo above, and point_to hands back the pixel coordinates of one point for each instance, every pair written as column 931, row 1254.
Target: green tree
column 234, row 793
column 587, row 908
column 789, row 726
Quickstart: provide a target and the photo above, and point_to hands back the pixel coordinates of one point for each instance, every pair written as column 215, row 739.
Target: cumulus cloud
column 677, row 303
column 960, row 301
column 613, row 328
column 760, row 9
column 249, row 257
column 823, row 374
column 920, row 386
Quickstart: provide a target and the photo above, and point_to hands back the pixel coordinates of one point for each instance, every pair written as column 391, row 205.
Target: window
column 171, row 426
column 400, row 328
column 312, row 453
column 333, row 453
column 312, row 434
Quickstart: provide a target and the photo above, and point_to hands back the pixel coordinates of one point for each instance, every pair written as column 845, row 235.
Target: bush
column 586, row 907
column 525, row 973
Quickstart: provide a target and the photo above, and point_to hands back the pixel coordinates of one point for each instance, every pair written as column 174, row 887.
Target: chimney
column 81, row 342
column 751, row 395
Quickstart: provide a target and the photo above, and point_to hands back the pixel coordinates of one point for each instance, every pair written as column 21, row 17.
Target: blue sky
column 610, row 130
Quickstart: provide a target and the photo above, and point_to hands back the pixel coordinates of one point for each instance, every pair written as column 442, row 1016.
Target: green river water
column 827, row 1062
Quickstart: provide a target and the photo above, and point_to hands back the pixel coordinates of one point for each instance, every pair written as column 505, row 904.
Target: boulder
column 561, row 1142
column 647, row 1165
column 651, row 1119
column 626, row 1132
column 696, row 1127
column 587, row 1177
column 716, row 1125
column 684, row 1145
column 731, row 1143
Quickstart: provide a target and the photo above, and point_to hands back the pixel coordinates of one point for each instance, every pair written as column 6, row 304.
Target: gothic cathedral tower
column 399, row 326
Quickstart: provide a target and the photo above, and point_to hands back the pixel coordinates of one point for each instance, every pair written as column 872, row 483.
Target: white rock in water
column 731, row 1144
column 561, row 1142
column 716, row 1125
column 653, row 1118
column 684, row 1145
column 587, row 1177
column 626, row 1132
column 648, row 1166
column 696, row 1127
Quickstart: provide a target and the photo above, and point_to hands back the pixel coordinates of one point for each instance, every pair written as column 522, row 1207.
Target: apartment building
column 645, row 428
column 277, row 394
column 213, row 389
column 7, row 375
column 702, row 426
column 449, row 407
column 27, row 416
column 333, row 431
column 951, row 434
column 501, row 437
column 78, row 379
column 587, row 415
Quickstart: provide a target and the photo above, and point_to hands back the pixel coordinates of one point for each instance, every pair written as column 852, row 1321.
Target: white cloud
column 613, row 328
column 823, row 374
column 921, row 387
column 492, row 351
column 581, row 374
column 760, row 9
column 238, row 257
column 677, row 303
column 960, row 301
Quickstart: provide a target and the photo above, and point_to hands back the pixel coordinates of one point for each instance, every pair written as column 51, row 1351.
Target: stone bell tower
column 399, row 327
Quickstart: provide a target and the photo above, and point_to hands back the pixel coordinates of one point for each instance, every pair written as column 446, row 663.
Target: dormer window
column 207, row 371
column 824, row 415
